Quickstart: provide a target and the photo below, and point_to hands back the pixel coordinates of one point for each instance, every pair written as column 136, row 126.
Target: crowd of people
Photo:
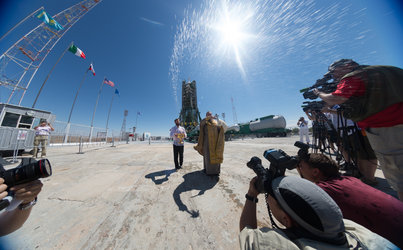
column 357, row 215
column 321, row 208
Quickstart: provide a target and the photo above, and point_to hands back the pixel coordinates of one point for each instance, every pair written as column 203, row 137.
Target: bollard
column 80, row 146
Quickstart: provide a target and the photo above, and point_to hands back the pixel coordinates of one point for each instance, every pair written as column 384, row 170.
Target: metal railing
column 79, row 134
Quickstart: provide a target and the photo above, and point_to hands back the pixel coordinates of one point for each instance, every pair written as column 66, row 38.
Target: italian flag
column 76, row 51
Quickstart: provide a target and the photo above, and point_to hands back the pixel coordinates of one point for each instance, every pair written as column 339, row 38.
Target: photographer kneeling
column 365, row 205
column 311, row 218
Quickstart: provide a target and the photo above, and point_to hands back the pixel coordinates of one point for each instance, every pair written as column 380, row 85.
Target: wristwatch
column 28, row 205
column 254, row 199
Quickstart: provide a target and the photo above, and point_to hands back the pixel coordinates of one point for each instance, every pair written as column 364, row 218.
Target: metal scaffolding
column 19, row 64
column 189, row 115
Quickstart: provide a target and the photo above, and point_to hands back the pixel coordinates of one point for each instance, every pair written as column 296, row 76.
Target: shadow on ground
column 193, row 181
column 164, row 174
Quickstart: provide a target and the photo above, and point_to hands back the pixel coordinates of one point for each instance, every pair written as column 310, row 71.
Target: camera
column 28, row 170
column 313, row 106
column 279, row 162
column 322, row 84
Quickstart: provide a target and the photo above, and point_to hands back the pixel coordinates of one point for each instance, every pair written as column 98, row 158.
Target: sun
column 231, row 29
column 231, row 33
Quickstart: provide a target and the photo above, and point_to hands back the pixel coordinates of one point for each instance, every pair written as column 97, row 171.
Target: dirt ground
column 131, row 197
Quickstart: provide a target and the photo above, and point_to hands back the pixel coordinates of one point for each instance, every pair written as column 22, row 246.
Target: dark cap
column 341, row 62
column 310, row 207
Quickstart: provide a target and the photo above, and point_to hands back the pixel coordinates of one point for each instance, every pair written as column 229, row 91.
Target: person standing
column 42, row 132
column 178, row 133
column 211, row 144
column 372, row 96
column 303, row 130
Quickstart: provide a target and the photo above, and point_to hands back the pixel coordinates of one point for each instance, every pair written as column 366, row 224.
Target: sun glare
column 231, row 30
column 231, row 33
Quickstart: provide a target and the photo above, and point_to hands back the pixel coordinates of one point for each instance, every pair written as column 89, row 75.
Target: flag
column 117, row 92
column 92, row 69
column 76, row 51
column 110, row 83
column 49, row 20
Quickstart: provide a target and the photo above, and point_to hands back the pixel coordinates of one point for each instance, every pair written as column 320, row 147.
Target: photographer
column 367, row 206
column 17, row 212
column 42, row 132
column 310, row 217
column 372, row 96
column 303, row 129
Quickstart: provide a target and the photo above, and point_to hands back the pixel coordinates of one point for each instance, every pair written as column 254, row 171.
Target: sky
column 259, row 53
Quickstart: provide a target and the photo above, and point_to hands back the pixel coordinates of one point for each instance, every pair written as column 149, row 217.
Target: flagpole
column 72, row 107
column 23, row 20
column 95, row 108
column 137, row 115
column 47, row 77
column 109, row 112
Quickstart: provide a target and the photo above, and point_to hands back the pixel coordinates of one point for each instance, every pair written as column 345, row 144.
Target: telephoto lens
column 26, row 173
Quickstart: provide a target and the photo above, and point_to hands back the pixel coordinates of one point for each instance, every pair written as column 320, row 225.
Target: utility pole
column 233, row 111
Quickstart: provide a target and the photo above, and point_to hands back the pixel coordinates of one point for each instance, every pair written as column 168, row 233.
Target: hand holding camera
column 279, row 162
column 23, row 181
column 27, row 192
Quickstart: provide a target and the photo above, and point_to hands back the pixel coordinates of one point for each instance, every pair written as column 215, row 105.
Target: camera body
column 279, row 162
column 28, row 170
column 322, row 84
column 313, row 106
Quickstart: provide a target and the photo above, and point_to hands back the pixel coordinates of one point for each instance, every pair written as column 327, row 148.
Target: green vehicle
column 268, row 126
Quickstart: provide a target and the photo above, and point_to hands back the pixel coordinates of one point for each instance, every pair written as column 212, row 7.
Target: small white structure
column 16, row 126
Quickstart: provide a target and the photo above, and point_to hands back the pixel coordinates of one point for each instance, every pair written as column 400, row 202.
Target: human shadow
column 165, row 173
column 193, row 181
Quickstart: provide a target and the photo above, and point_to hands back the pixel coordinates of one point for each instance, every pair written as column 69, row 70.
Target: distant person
column 211, row 144
column 42, row 132
column 365, row 205
column 303, row 130
column 178, row 133
column 17, row 212
column 310, row 219
column 372, row 96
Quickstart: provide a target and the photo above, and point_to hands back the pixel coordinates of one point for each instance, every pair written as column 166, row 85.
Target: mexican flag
column 76, row 51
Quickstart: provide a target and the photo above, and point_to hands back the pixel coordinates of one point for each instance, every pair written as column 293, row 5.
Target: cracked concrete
column 130, row 197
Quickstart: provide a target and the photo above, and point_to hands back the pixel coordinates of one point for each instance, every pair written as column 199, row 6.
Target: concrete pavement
column 131, row 197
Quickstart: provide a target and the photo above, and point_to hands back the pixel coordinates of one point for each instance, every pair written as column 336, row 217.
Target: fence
column 78, row 134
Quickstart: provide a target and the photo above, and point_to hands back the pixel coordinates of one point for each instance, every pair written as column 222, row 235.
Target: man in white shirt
column 178, row 133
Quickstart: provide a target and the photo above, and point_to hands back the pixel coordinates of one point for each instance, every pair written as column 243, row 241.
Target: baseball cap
column 310, row 207
column 339, row 63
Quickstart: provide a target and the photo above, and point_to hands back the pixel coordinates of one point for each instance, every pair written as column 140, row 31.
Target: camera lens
column 26, row 173
column 44, row 168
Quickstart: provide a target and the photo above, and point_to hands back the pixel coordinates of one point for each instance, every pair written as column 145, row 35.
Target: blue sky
column 148, row 47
